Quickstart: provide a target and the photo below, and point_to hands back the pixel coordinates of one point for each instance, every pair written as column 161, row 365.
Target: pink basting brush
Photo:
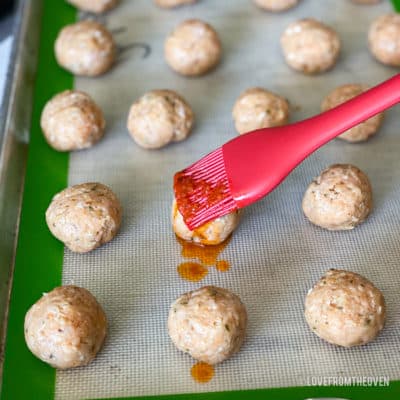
column 252, row 165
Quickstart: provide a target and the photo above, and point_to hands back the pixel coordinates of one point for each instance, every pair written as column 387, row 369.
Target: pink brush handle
column 268, row 155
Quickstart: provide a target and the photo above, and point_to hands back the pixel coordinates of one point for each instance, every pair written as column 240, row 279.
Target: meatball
column 362, row 131
column 339, row 198
column 384, row 39
column 368, row 2
column 84, row 216
column 345, row 309
column 193, row 48
column 310, row 46
column 208, row 323
column 173, row 3
column 158, row 118
column 276, row 5
column 71, row 120
column 85, row 48
column 94, row 6
column 211, row 233
column 66, row 328
column 258, row 108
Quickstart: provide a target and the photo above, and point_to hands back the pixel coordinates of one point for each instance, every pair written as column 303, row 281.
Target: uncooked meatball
column 362, row 131
column 384, row 39
column 310, row 46
column 158, row 118
column 193, row 48
column 66, row 328
column 208, row 323
column 71, row 120
column 85, row 48
column 94, row 6
column 276, row 5
column 173, row 3
column 345, row 309
column 339, row 198
column 211, row 233
column 258, row 108
column 366, row 1
column 84, row 216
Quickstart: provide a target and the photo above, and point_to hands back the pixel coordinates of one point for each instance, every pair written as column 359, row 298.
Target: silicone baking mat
column 275, row 254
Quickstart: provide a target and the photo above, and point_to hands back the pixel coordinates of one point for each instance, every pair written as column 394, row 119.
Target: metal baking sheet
column 276, row 255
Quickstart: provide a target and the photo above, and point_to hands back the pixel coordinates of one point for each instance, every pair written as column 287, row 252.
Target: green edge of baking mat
column 38, row 264
column 39, row 260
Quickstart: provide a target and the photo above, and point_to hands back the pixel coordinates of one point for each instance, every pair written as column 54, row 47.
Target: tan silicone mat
column 276, row 254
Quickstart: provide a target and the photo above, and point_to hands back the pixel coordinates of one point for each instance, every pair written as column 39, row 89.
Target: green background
column 39, row 258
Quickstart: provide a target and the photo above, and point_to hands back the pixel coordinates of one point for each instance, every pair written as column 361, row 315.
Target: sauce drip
column 202, row 372
column 207, row 255
column 192, row 271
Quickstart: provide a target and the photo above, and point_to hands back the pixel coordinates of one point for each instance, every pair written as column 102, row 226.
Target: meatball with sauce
column 211, row 233
column 208, row 323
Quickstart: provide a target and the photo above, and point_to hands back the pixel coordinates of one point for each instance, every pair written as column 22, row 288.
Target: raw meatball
column 258, row 108
column 276, row 5
column 94, row 6
column 85, row 48
column 338, row 199
column 66, row 327
column 71, row 120
column 208, row 323
column 173, row 3
column 310, row 46
column 211, row 233
column 384, row 39
column 193, row 48
column 158, row 118
column 345, row 309
column 84, row 216
column 366, row 1
column 362, row 131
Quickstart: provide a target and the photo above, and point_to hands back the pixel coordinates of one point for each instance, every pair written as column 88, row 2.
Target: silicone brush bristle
column 202, row 191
